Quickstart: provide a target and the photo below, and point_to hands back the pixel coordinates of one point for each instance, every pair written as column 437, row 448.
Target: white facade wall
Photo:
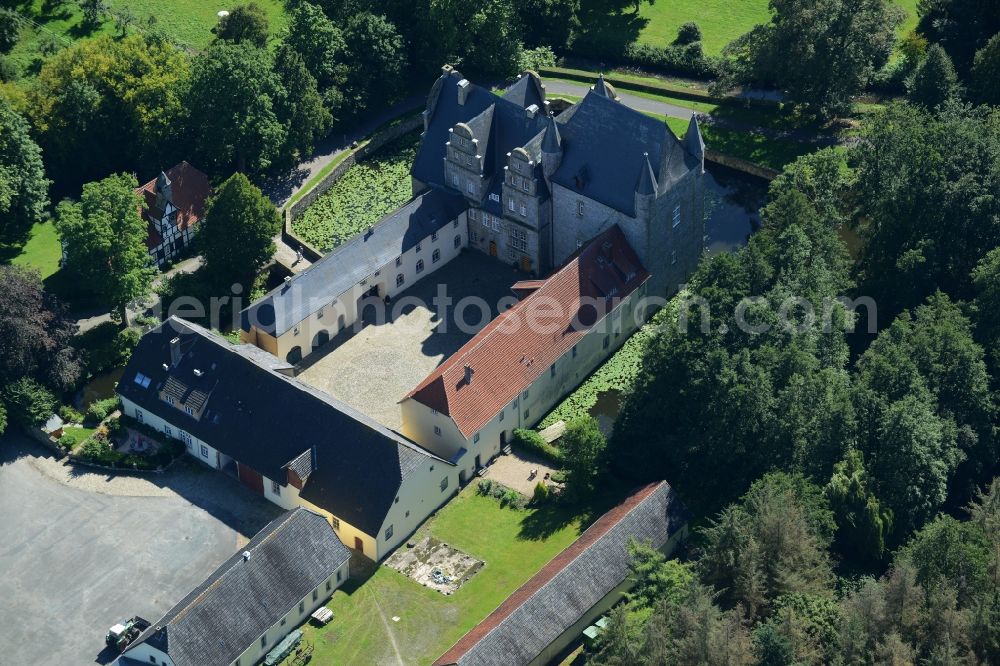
column 342, row 312
column 422, row 492
column 196, row 448
column 531, row 405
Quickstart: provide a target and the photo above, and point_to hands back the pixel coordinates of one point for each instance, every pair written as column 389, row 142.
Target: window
column 168, row 431
column 434, row 237
column 138, row 415
column 399, row 262
column 340, row 575
column 388, row 533
column 315, row 595
column 512, row 205
column 579, row 208
column 517, row 237
column 607, row 341
column 574, row 351
column 204, row 451
column 418, row 247
column 186, row 438
column 302, row 607
column 552, row 370
column 282, row 622
column 526, row 413
column 296, row 331
column 473, row 236
column 263, row 641
column 524, row 209
column 335, row 522
column 444, row 483
column 524, row 396
column 454, row 179
column 400, row 280
column 329, row 586
column 454, row 223
column 475, row 438
column 677, row 215
column 486, row 220
column 152, row 658
column 458, row 241
column 142, row 380
column 171, row 401
column 470, row 187
column 437, row 430
column 501, row 416
column 189, row 411
column 436, row 256
column 420, row 266
column 276, row 488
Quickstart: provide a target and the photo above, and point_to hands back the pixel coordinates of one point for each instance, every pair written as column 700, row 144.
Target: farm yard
column 367, row 192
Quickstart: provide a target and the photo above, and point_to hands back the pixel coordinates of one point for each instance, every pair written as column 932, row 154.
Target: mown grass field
column 42, row 251
column 190, row 21
column 514, row 544
column 721, row 21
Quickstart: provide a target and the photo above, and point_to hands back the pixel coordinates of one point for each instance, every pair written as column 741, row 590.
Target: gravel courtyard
column 375, row 368
column 82, row 551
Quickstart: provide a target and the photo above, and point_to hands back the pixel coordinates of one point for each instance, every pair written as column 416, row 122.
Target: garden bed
column 364, row 195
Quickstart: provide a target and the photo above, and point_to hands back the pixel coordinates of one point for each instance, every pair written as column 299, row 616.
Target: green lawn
column 514, row 544
column 721, row 21
column 191, row 21
column 42, row 251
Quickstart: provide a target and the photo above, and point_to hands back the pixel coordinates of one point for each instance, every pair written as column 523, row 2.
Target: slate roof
column 266, row 421
column 527, row 90
column 603, row 143
column 242, row 599
column 357, row 259
column 189, row 190
column 508, row 355
column 555, row 598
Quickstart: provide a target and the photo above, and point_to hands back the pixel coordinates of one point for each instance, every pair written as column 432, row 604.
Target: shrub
column 687, row 59
column 28, row 402
column 541, row 493
column 512, row 499
column 688, row 33
column 530, row 440
column 68, row 441
column 70, row 415
column 99, row 410
column 537, row 58
column 485, row 487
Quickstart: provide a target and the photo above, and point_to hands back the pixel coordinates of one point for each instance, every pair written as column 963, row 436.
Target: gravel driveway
column 83, row 551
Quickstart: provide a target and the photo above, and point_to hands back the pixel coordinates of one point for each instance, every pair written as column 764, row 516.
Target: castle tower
column 551, row 148
column 694, row 142
column 604, row 89
column 645, row 190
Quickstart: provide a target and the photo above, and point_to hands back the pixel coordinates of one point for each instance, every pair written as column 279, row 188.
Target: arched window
column 400, row 280
column 420, row 266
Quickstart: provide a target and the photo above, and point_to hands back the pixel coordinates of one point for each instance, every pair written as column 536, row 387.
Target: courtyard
column 85, row 550
column 373, row 369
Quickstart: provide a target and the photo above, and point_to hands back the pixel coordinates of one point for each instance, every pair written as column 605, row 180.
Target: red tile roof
column 189, row 190
column 512, row 351
column 593, row 534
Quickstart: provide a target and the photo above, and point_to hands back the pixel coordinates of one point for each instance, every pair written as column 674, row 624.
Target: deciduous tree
column 583, row 446
column 23, row 186
column 934, row 81
column 245, row 23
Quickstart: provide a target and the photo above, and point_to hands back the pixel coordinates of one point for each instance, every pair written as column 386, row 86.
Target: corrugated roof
column 266, row 421
column 576, row 579
column 243, row 598
column 508, row 355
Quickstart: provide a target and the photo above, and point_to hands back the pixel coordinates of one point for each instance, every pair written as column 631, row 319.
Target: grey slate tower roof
column 243, row 598
column 555, row 598
column 266, row 421
column 647, row 181
column 527, row 90
column 551, row 141
column 604, row 89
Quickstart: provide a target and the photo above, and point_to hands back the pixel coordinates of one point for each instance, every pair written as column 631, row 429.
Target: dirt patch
column 435, row 564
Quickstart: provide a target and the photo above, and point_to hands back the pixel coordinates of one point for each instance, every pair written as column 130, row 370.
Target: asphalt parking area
column 373, row 369
column 74, row 561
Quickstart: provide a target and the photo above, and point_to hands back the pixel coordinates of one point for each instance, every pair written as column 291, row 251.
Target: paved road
column 74, row 560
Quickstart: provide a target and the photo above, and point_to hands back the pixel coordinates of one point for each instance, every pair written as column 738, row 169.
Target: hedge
column 530, row 440
column 662, row 89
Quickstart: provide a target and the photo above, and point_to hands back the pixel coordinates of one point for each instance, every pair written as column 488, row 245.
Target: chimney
column 468, row 373
column 463, row 91
column 198, row 373
column 532, row 110
column 246, row 555
column 175, row 351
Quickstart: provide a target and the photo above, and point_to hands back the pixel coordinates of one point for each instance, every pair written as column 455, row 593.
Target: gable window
column 444, row 483
column 579, row 208
column 677, row 215
column 454, row 223
column 458, row 241
column 399, row 262
column 434, row 237
column 388, row 533
column 335, row 522
column 400, row 280
column 296, row 331
column 417, row 248
column 319, row 313
column 276, row 488
column 420, row 266
column 436, row 256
